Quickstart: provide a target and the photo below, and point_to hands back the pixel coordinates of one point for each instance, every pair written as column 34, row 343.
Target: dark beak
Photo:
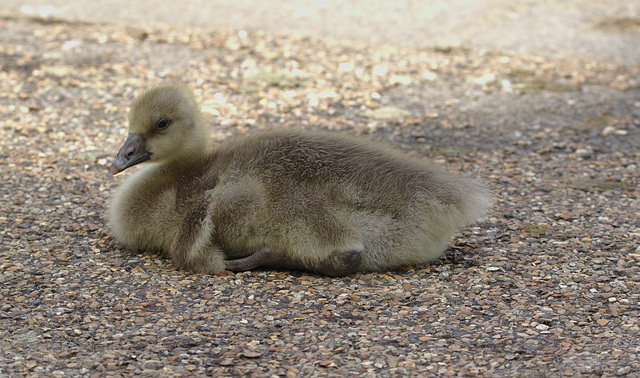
column 131, row 153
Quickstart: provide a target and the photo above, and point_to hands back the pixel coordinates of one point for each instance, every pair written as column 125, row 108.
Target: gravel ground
column 547, row 285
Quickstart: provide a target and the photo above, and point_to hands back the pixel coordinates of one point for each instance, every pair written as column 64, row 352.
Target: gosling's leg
column 263, row 257
column 339, row 264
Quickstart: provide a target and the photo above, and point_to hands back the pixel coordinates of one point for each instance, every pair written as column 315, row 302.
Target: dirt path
column 589, row 29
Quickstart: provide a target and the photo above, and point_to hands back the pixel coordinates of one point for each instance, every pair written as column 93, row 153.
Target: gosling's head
column 165, row 125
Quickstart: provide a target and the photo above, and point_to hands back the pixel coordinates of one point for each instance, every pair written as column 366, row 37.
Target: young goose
column 320, row 202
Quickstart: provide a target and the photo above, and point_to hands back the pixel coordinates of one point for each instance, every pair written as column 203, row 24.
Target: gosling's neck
column 195, row 148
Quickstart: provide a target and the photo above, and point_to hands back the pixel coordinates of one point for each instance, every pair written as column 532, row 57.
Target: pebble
column 386, row 113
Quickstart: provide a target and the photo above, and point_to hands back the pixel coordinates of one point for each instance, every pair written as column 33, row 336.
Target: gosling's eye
column 162, row 124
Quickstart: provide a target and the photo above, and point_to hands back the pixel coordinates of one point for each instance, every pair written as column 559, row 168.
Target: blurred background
column 589, row 29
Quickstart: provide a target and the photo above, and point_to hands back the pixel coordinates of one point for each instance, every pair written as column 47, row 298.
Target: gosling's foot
column 341, row 264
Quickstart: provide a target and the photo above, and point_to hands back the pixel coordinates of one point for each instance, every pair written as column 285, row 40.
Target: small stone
column 402, row 80
column 608, row 130
column 583, row 153
column 251, row 354
column 57, row 71
column 624, row 370
column 152, row 365
column 429, row 75
column 386, row 113
column 485, row 79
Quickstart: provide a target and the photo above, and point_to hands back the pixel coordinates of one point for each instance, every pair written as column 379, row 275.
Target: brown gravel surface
column 547, row 285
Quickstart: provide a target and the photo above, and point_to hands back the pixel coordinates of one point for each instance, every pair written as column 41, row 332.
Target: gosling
column 320, row 202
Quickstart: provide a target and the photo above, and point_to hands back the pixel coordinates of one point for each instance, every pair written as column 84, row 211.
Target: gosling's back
column 311, row 191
